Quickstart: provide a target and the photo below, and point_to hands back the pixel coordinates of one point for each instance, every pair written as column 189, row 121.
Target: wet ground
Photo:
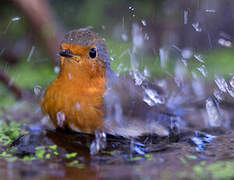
column 31, row 149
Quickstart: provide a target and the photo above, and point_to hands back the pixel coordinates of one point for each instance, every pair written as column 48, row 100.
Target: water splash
column 60, row 118
column 221, row 83
column 138, row 77
column 153, row 97
column 218, row 94
column 200, row 139
column 197, row 27
column 98, row 143
column 213, row 111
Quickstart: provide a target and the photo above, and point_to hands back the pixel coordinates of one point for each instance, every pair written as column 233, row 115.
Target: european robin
column 87, row 96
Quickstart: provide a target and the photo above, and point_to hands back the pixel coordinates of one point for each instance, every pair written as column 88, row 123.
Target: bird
column 87, row 95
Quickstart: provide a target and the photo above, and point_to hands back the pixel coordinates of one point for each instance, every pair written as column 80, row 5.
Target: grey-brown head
column 86, row 40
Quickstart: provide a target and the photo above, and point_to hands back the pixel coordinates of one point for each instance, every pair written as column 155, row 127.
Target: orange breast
column 75, row 100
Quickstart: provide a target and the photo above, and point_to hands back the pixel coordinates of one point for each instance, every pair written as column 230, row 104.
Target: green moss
column 56, row 153
column 47, row 156
column 189, row 156
column 183, row 160
column 76, row 164
column 28, row 158
column 217, row 170
column 53, row 147
column 5, row 154
column 137, row 158
column 221, row 170
column 40, row 153
column 71, row 155
column 148, row 156
column 9, row 132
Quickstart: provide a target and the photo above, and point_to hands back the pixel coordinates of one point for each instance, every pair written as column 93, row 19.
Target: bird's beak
column 65, row 53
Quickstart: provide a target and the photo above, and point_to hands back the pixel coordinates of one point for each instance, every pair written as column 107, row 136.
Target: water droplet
column 138, row 77
column 146, row 72
column 143, row 22
column 231, row 92
column 30, row 53
column 218, row 94
column 146, row 37
column 185, row 17
column 56, row 69
column 78, row 106
column 153, row 95
column 131, row 8
column 60, row 118
column 197, row 27
column 124, row 37
column 184, row 62
column 148, row 101
column 186, row 53
column 203, row 70
column 69, row 76
column 137, row 39
column 112, row 58
column 17, row 18
column 198, row 57
column 37, row 90
column 210, row 11
column 163, row 57
column 45, row 120
column 225, row 43
column 198, row 86
column 14, row 19
column 232, row 82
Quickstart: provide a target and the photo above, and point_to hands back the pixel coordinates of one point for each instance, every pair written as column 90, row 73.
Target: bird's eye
column 92, row 53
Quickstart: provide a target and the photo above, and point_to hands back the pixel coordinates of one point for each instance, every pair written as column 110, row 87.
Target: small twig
column 6, row 80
